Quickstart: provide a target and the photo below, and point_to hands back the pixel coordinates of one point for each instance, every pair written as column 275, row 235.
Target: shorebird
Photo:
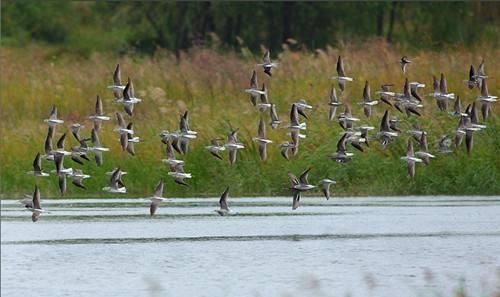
column 457, row 108
column 267, row 64
column 37, row 167
column 215, row 148
column 469, row 130
column 481, row 74
column 474, row 119
column 115, row 183
column 445, row 144
column 75, row 130
column 131, row 139
column 117, row 83
column 223, row 207
column 80, row 151
column 285, row 146
column 416, row 131
column 385, row 93
column 299, row 185
column 442, row 96
column 97, row 148
column 264, row 99
column 34, row 205
column 294, row 119
column 473, row 80
column 385, row 135
column 404, row 61
column 423, row 153
column 334, row 103
column 185, row 134
column 486, row 99
column 177, row 172
column 341, row 77
column 367, row 100
column 123, row 131
column 295, row 136
column 410, row 159
column 99, row 116
column 60, row 147
column 170, row 153
column 275, row 121
column 262, row 141
column 346, row 119
column 110, row 173
column 301, row 106
column 129, row 99
column 414, row 86
column 341, row 155
column 157, row 198
column 254, row 89
column 233, row 146
column 52, row 121
column 61, row 173
column 78, row 177
column 325, row 187
column 405, row 101
column 393, row 125
column 49, row 152
column 356, row 138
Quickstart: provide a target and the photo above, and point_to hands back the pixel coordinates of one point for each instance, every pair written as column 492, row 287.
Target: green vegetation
column 210, row 85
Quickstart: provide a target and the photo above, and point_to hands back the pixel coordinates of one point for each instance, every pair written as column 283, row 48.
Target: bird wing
column 117, row 76
column 304, row 175
column 223, row 199
column 159, row 189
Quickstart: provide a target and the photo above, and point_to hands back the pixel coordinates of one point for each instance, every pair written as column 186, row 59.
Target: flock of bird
column 408, row 102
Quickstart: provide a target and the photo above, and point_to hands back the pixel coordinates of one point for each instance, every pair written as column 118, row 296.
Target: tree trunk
column 391, row 21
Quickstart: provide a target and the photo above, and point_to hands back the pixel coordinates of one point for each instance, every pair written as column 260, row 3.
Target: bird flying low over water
column 115, row 183
column 223, row 206
column 33, row 205
column 97, row 148
column 341, row 77
column 98, row 117
column 299, row 185
column 423, row 153
column 341, row 155
column 325, row 187
column 78, row 176
column 170, row 153
column 157, row 198
column 385, row 135
column 267, row 64
column 177, row 172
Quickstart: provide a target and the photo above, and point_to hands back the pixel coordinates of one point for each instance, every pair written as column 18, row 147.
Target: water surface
column 411, row 246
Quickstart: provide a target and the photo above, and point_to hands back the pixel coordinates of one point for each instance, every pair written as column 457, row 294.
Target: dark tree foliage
column 176, row 26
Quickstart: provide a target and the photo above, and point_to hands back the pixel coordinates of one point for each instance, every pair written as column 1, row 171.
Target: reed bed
column 210, row 83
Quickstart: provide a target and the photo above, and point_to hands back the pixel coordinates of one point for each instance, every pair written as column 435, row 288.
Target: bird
column 393, row 122
column 275, row 121
column 37, row 167
column 301, row 106
column 346, row 119
column 60, row 146
column 131, row 139
column 96, row 148
column 445, row 144
column 185, row 134
column 34, row 205
column 61, row 173
column 267, row 64
column 386, row 94
column 457, row 108
column 157, row 198
column 215, row 148
column 404, row 63
column 170, row 153
column 294, row 119
column 78, row 177
column 117, row 84
column 299, row 185
column 99, row 116
column 52, row 121
column 223, row 207
column 233, row 146
column 123, row 131
column 285, row 146
column 486, row 99
column 341, row 155
column 443, row 96
column 423, row 153
column 177, row 172
column 385, row 135
column 264, row 99
column 262, row 141
column 325, row 187
column 410, row 159
column 480, row 74
column 129, row 100
column 334, row 103
column 254, row 89
column 75, row 130
column 414, row 86
column 473, row 80
column 115, row 183
column 367, row 100
column 49, row 152
column 341, row 77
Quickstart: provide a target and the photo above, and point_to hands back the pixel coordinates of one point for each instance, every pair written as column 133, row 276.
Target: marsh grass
column 210, row 85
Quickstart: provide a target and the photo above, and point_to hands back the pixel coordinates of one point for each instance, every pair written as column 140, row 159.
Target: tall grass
column 210, row 85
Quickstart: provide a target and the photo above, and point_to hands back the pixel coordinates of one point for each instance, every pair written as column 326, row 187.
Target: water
column 399, row 246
